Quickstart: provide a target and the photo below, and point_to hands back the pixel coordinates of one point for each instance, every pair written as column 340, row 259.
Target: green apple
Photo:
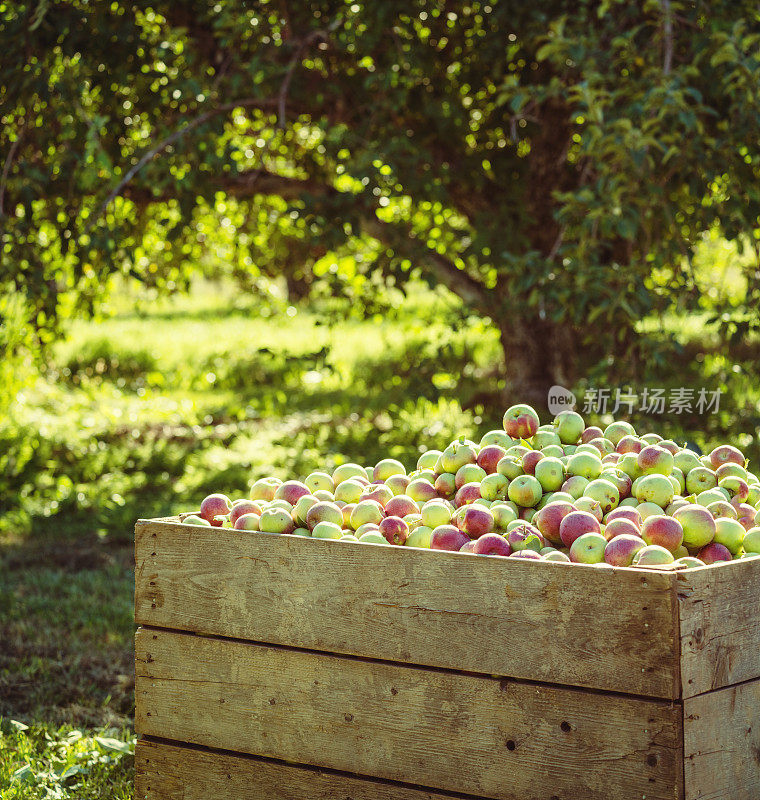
column 751, row 542
column 584, row 464
column 550, row 473
column 419, row 537
column 570, row 426
column 494, row 487
column 525, row 491
column 730, row 533
column 604, row 492
column 654, row 488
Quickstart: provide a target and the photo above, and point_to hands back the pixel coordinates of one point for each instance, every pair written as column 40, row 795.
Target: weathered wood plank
column 610, row 629
column 458, row 732
column 720, row 625
column 722, row 744
column 174, row 772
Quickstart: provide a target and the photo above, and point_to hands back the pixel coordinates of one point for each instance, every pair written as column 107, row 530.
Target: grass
column 162, row 401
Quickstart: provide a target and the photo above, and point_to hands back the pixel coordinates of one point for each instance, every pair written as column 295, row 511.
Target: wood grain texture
column 722, row 744
column 458, row 732
column 610, row 629
column 175, row 772
column 720, row 625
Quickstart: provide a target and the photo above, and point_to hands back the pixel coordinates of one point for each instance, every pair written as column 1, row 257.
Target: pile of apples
column 559, row 492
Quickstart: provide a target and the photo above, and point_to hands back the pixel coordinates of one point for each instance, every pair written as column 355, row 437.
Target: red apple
column 394, row 529
column 576, row 524
column 489, row 456
column 215, row 505
column 447, row 537
column 491, row 544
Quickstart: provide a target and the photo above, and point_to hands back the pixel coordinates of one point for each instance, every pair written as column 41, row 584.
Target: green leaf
column 114, row 744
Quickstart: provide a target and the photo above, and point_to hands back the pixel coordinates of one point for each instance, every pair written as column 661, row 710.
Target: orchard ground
column 147, row 410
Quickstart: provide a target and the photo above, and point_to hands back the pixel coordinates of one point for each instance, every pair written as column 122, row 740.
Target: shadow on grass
column 66, row 627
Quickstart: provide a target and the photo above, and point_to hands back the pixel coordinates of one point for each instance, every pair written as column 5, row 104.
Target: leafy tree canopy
column 553, row 163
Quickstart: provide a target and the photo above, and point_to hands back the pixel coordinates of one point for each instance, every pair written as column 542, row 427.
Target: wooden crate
column 289, row 668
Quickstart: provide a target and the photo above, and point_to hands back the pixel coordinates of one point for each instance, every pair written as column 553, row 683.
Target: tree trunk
column 538, row 354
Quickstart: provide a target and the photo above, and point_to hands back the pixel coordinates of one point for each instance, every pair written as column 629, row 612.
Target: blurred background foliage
column 262, row 237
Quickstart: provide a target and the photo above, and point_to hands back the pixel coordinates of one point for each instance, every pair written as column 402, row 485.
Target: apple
column 394, row 529
column 629, row 464
column 629, row 444
column 556, row 555
column 585, row 464
column 491, row 544
column 345, row 471
column 447, row 537
column 469, row 473
column 520, row 422
column 698, row 525
column 529, row 554
column 349, row 491
column 496, row 437
column 726, row 454
column 575, row 485
column 510, row 466
column 467, row 494
column 290, row 491
column 751, row 542
column 435, row 513
column 654, row 459
column 625, row 512
column 366, row 511
column 663, row 530
column 445, row 484
column 215, row 505
column 400, row 506
column 549, row 518
column 588, row 548
column 714, row 552
column 545, row 437
column 301, row 532
column 283, row 504
column 240, row 507
column 619, row 527
column 575, row 524
column 651, row 438
column 264, row 488
column 277, row 520
column 398, row 483
column 700, row 479
column 475, row 521
column 529, row 461
column 688, row 562
column 324, row 511
column 590, row 505
column 592, row 432
column 603, row 492
column 525, row 491
column 730, row 533
column 616, row 431
column 686, row 460
column 654, row 488
column 489, row 457
column 730, row 469
column 525, row 537
column 738, row 488
column 569, row 425
column 604, row 446
column 621, row 550
column 366, row 528
column 722, row 508
column 649, row 509
column 377, row 491
column 550, row 473
column 326, row 530
column 494, row 487
column 194, row 519
column 456, row 455
column 653, row 555
column 373, row 537
column 387, row 467
column 710, row 496
column 503, row 514
column 468, row 547
column 428, row 459
column 421, row 490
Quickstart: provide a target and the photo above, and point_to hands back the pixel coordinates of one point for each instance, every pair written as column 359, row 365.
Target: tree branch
column 169, row 140
column 667, row 35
